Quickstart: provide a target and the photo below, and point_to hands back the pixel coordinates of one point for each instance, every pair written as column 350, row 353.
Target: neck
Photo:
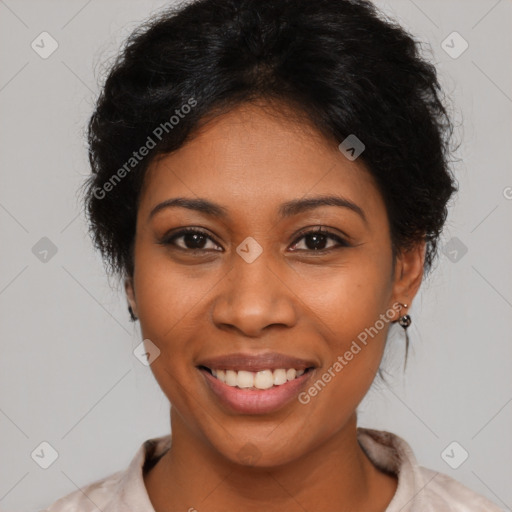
column 335, row 475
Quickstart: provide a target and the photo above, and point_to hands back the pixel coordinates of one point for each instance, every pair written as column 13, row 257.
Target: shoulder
column 90, row 498
column 444, row 491
column 419, row 488
column 120, row 491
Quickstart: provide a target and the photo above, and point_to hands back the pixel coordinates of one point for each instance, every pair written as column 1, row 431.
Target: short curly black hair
column 341, row 63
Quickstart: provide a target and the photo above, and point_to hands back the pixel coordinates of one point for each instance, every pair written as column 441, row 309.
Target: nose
column 253, row 297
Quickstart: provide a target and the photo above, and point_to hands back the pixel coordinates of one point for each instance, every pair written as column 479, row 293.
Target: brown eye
column 316, row 240
column 193, row 239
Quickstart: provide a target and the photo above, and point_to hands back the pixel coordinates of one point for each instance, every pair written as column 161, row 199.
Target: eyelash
column 320, row 231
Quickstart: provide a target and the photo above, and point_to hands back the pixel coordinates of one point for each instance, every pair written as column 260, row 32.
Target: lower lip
column 256, row 401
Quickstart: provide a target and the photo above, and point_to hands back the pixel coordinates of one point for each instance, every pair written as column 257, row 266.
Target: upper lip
column 255, row 363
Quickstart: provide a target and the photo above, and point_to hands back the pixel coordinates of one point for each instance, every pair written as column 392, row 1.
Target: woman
column 270, row 180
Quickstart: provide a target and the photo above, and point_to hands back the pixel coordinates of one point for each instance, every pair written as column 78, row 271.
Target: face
column 255, row 281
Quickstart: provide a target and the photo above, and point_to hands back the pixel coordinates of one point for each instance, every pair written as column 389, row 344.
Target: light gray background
column 67, row 372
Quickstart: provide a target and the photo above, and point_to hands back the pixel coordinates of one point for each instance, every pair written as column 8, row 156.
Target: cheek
column 352, row 354
column 350, row 303
column 167, row 293
column 348, row 298
column 164, row 308
column 167, row 301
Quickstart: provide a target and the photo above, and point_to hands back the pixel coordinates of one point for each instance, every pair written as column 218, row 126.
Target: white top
column 419, row 489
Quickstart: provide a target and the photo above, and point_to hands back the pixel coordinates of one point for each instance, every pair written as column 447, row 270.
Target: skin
column 300, row 303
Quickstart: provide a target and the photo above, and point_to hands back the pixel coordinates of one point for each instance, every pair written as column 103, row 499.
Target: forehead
column 253, row 159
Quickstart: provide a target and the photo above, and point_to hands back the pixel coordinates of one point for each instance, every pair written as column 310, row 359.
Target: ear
column 408, row 273
column 130, row 294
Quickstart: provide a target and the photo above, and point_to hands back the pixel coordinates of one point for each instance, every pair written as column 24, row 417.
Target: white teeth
column 291, row 373
column 245, row 379
column 279, row 377
column 264, row 379
column 231, row 378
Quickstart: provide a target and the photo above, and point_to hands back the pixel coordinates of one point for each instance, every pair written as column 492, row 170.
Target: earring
column 132, row 316
column 405, row 321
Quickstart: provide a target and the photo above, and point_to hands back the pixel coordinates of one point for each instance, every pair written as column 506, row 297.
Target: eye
column 317, row 239
column 193, row 239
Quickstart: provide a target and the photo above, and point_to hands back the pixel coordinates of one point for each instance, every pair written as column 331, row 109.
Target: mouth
column 253, row 381
column 259, row 392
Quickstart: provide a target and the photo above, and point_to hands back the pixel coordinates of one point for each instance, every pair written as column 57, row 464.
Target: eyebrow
column 288, row 209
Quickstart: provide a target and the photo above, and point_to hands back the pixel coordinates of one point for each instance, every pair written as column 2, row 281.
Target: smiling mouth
column 264, row 379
